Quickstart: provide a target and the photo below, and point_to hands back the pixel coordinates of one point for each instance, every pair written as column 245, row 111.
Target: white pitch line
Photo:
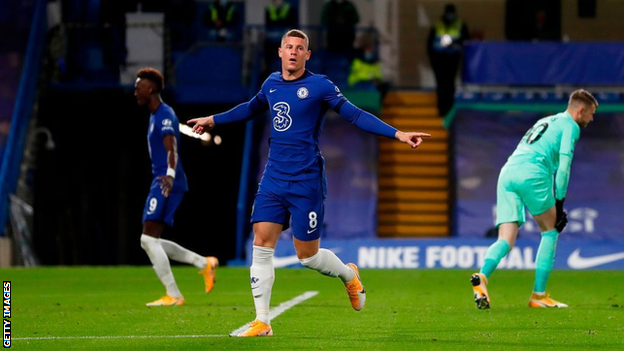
column 283, row 307
column 118, row 337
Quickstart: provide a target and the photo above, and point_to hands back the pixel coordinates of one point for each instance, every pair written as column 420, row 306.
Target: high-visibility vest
column 362, row 71
column 214, row 13
column 276, row 14
column 453, row 30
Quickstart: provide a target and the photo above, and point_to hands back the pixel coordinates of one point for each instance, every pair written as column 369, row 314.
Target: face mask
column 369, row 56
column 223, row 2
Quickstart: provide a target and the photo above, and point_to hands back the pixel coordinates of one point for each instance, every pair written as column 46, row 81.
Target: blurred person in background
column 340, row 18
column 365, row 73
column 166, row 192
column 545, row 152
column 445, row 46
column 279, row 16
column 220, row 17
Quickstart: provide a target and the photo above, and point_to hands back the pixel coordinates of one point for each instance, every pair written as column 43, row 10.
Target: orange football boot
column 479, row 288
column 210, row 272
column 256, row 328
column 167, row 300
column 355, row 289
column 544, row 301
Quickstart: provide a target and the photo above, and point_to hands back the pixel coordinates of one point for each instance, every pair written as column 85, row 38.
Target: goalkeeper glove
column 562, row 217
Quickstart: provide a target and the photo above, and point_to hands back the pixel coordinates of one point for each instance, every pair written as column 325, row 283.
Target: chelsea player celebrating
column 294, row 179
column 166, row 192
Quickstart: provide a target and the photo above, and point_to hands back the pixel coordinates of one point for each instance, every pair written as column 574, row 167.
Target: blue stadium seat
column 467, row 96
column 608, row 97
column 523, row 96
column 495, row 96
column 552, row 97
column 210, row 74
column 336, row 66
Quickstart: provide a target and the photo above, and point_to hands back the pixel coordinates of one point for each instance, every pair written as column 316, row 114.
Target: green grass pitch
column 405, row 310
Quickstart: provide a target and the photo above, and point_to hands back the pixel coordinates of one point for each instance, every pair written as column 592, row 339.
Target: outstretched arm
column 372, row 124
column 242, row 112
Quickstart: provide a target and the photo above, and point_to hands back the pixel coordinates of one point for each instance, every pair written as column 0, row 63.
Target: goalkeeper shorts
column 521, row 185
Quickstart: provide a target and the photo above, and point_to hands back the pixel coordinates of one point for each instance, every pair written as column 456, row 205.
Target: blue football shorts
column 303, row 200
column 159, row 208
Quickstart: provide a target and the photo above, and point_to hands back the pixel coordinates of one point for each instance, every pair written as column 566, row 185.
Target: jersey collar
column 304, row 75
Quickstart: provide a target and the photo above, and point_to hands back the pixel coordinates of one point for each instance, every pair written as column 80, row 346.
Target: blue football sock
column 493, row 256
column 545, row 259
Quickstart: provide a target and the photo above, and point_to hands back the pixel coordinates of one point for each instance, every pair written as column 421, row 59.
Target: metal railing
column 25, row 106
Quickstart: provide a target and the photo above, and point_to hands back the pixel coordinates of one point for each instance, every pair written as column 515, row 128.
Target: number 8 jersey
column 298, row 110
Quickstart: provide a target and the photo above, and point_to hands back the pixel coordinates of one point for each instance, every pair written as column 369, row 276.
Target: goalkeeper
column 526, row 179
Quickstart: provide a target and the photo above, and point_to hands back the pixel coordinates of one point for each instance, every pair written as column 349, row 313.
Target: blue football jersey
column 164, row 122
column 298, row 110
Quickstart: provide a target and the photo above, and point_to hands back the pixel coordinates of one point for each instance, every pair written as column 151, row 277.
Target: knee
column 266, row 234
column 153, row 229
column 146, row 241
column 260, row 241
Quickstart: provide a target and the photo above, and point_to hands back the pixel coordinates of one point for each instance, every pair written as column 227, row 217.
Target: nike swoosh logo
column 312, row 231
column 575, row 260
column 272, row 90
column 280, row 262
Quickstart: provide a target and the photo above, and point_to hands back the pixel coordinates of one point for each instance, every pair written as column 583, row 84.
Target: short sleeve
column 166, row 123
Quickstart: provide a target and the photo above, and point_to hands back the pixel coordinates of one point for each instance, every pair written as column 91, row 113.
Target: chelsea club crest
column 302, row 93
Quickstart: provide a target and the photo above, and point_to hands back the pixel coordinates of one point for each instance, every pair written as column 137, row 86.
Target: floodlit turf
column 405, row 310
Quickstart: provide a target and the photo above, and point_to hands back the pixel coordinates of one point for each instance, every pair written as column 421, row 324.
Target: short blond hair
column 583, row 96
column 297, row 33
